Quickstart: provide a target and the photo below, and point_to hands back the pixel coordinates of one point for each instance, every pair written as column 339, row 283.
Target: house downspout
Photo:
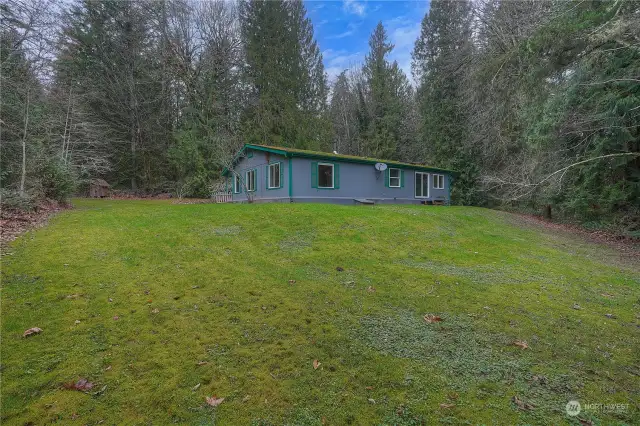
column 290, row 179
column 449, row 189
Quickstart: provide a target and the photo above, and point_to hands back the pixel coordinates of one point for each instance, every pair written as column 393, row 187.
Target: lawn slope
column 160, row 305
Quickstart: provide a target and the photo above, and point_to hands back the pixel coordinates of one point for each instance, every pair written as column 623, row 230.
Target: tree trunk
column 24, row 147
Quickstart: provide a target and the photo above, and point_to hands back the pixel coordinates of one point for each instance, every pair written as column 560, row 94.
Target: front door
column 422, row 185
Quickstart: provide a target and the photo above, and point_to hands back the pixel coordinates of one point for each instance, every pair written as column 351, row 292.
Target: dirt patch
column 628, row 247
column 14, row 222
column 194, row 201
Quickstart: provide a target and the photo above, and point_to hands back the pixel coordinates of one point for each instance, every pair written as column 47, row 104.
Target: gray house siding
column 358, row 181
column 258, row 161
column 352, row 181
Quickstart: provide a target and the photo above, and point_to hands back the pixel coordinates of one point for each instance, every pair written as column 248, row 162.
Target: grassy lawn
column 179, row 302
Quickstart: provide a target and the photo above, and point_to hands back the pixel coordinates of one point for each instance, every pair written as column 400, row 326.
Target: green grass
column 219, row 277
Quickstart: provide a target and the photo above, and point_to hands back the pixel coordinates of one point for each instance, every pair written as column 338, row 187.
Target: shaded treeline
column 535, row 103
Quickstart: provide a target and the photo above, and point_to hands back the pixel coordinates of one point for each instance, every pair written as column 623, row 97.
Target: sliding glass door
column 422, row 185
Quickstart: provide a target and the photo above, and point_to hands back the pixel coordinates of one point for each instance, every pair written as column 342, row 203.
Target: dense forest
column 535, row 103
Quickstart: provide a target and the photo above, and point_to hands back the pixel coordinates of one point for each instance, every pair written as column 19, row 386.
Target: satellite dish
column 380, row 167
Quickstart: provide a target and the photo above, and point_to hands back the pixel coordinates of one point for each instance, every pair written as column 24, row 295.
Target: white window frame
column 279, row 174
column 249, row 183
column 422, row 182
column 399, row 177
column 333, row 176
column 236, row 183
column 438, row 179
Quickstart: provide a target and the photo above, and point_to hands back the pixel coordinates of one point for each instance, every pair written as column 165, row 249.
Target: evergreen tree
column 284, row 68
column 388, row 91
column 109, row 55
column 439, row 62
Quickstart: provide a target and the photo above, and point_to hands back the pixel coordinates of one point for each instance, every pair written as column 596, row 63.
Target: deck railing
column 222, row 197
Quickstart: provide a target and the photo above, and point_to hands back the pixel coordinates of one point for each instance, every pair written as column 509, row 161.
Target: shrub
column 58, row 182
column 11, row 199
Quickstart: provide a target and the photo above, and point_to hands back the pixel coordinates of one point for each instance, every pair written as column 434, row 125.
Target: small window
column 236, row 183
column 250, row 180
column 325, row 175
column 394, row 178
column 438, row 181
column 274, row 175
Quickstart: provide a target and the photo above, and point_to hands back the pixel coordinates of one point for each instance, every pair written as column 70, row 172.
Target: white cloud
column 354, row 7
column 351, row 29
column 403, row 33
column 337, row 61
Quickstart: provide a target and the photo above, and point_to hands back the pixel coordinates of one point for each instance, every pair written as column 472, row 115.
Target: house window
column 438, row 181
column 422, row 185
column 325, row 175
column 236, row 183
column 250, row 180
column 394, row 178
column 274, row 176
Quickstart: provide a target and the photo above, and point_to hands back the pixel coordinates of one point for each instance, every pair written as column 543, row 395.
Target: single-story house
column 261, row 173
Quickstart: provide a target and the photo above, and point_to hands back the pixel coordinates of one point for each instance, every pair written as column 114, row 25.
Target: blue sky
column 342, row 29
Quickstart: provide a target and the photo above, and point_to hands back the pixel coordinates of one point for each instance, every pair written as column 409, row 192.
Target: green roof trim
column 303, row 153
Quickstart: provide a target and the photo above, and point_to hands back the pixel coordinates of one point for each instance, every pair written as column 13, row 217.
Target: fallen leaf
column 292, row 281
column 371, row 401
column 371, row 289
column 32, row 331
column 610, row 316
column 521, row 343
column 73, row 296
column 539, row 379
column 213, row 400
column 576, row 306
column 100, row 392
column 607, row 295
column 246, row 398
column 110, row 300
column 586, row 422
column 323, row 420
column 108, row 368
column 369, row 388
column 430, row 318
column 316, row 364
column 196, row 387
column 149, row 301
column 77, row 321
column 201, row 363
column 116, row 318
column 445, row 405
column 521, row 404
column 81, row 385
column 155, row 311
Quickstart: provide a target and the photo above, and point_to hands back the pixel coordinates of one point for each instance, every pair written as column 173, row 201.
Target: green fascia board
column 294, row 152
